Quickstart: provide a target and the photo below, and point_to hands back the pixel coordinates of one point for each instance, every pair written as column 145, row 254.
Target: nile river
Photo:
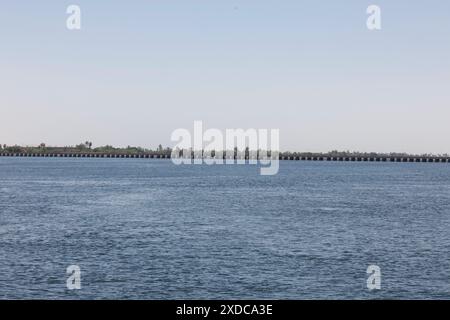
column 147, row 229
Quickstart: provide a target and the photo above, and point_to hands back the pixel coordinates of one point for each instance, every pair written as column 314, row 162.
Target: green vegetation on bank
column 86, row 148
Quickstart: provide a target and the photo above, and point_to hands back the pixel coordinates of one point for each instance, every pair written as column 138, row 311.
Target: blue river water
column 147, row 229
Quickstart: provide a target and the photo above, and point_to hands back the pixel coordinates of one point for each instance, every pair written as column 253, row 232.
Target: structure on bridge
column 281, row 157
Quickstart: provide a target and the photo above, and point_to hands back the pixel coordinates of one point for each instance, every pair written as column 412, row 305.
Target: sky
column 138, row 70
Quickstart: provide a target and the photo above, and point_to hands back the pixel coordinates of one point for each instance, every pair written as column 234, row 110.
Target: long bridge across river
column 281, row 157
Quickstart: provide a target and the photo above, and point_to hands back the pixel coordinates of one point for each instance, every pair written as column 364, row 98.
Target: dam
column 421, row 159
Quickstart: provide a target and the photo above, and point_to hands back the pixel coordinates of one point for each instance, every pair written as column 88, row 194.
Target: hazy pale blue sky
column 140, row 69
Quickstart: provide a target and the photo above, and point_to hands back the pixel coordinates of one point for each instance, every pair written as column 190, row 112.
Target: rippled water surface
column 147, row 229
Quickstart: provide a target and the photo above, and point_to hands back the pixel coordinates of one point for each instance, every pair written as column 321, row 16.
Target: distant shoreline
column 282, row 156
column 86, row 150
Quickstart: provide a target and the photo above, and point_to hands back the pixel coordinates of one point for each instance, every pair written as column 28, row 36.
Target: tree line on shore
column 86, row 147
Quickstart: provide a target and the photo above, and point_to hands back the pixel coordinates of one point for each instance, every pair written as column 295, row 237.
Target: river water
column 147, row 229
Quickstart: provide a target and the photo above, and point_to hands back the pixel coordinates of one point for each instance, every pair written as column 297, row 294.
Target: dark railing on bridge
column 421, row 159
